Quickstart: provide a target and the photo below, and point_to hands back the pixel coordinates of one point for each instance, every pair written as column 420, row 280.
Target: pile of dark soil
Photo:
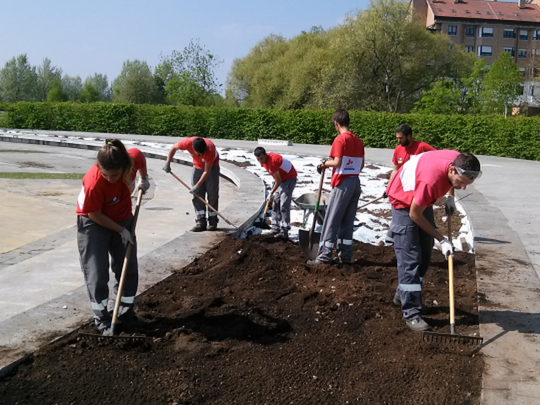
column 250, row 323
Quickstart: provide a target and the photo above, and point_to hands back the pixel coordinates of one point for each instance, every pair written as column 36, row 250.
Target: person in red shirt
column 346, row 161
column 205, row 178
column 104, row 221
column 284, row 175
column 412, row 192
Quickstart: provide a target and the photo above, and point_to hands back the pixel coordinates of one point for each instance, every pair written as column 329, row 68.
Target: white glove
column 126, row 237
column 447, row 248
column 450, row 206
column 143, row 184
column 167, row 167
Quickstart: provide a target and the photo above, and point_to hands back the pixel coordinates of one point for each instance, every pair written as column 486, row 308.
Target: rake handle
column 371, row 202
column 125, row 265
column 203, row 200
column 451, row 281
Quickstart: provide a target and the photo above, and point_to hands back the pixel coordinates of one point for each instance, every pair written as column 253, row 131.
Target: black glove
column 320, row 168
column 450, row 205
column 384, row 195
column 167, row 167
column 194, row 190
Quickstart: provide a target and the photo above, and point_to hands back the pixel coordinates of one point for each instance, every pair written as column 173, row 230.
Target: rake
column 452, row 337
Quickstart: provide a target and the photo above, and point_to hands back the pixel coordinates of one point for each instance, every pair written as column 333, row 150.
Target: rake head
column 447, row 338
column 116, row 340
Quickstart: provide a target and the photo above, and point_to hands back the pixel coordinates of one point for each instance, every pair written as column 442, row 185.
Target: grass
column 45, row 176
column 20, row 151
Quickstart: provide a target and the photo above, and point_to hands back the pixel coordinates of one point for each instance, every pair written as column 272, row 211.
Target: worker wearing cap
column 104, row 222
column 205, row 178
column 284, row 174
column 412, row 193
column 406, row 148
column 346, row 161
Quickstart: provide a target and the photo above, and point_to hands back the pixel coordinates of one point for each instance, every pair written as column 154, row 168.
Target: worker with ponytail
column 104, row 218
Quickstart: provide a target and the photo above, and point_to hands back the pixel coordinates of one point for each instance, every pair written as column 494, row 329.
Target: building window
column 522, row 70
column 536, row 35
column 485, row 32
column 523, row 35
column 522, row 89
column 509, row 33
column 469, row 48
column 469, row 31
column 452, row 30
column 509, row 50
column 522, row 53
column 484, row 50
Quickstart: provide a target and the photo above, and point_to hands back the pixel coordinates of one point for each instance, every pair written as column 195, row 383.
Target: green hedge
column 517, row 137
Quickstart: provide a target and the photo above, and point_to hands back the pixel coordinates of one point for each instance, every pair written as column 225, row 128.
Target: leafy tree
column 71, row 87
column 18, row 80
column 188, row 76
column 47, row 75
column 101, row 84
column 89, row 93
column 55, row 93
column 501, row 87
column 135, row 84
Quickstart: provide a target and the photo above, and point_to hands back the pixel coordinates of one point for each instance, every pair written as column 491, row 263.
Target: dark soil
column 239, row 164
column 250, row 323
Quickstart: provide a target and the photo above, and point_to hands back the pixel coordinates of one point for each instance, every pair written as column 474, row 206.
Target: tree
column 71, row 87
column 89, row 93
column 501, row 87
column 135, row 84
column 18, row 80
column 47, row 75
column 101, row 84
column 55, row 93
column 188, row 76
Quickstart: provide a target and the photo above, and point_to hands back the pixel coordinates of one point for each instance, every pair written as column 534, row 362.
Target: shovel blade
column 309, row 245
column 261, row 224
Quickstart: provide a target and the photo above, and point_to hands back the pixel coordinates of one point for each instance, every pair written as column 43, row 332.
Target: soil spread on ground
column 250, row 323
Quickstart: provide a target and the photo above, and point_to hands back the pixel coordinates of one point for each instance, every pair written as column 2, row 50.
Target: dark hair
column 467, row 161
column 341, row 117
column 259, row 151
column 199, row 145
column 404, row 129
column 114, row 156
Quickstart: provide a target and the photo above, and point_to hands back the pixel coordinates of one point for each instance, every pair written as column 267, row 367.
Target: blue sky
column 84, row 37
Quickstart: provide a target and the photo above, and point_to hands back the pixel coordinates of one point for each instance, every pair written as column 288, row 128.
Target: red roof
column 485, row 10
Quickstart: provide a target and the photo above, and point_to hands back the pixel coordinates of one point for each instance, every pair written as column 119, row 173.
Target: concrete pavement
column 506, row 228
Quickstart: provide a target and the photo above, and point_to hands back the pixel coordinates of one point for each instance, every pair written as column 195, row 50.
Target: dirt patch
column 249, row 322
column 239, row 164
column 49, row 194
column 34, row 164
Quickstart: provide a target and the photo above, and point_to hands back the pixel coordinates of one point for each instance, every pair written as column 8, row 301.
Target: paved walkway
column 503, row 211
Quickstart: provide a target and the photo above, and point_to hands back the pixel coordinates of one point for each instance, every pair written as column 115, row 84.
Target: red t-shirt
column 112, row 199
column 350, row 149
column 209, row 156
column 275, row 163
column 402, row 154
column 424, row 177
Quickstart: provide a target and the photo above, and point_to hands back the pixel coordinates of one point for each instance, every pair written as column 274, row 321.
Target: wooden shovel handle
column 319, row 192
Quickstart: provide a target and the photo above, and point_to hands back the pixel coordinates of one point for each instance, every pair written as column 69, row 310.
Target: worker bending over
column 104, row 223
column 412, row 193
column 347, row 160
column 205, row 179
column 284, row 175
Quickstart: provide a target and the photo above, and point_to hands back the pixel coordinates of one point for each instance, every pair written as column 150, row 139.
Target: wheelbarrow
column 307, row 202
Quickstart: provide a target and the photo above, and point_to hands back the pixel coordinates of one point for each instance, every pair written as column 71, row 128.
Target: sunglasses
column 470, row 174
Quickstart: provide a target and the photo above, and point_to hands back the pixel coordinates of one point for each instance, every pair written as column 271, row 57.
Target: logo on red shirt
column 113, row 201
column 350, row 162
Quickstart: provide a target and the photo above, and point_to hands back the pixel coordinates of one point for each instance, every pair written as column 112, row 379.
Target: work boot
column 212, row 227
column 199, row 227
column 397, row 302
column 417, row 324
column 316, row 262
column 273, row 232
column 282, row 235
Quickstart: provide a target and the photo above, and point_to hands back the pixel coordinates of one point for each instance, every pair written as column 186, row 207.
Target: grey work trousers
column 96, row 243
column 339, row 220
column 281, row 207
column 209, row 191
column 413, row 248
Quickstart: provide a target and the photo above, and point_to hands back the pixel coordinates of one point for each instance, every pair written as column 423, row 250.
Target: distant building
column 488, row 28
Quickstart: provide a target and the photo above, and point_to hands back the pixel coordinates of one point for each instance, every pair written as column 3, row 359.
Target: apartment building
column 488, row 28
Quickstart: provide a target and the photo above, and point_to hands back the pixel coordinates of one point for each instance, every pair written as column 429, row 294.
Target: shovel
column 203, row 200
column 113, row 338
column 452, row 337
column 309, row 240
column 261, row 223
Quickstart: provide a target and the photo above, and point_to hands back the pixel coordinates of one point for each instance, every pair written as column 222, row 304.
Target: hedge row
column 517, row 137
